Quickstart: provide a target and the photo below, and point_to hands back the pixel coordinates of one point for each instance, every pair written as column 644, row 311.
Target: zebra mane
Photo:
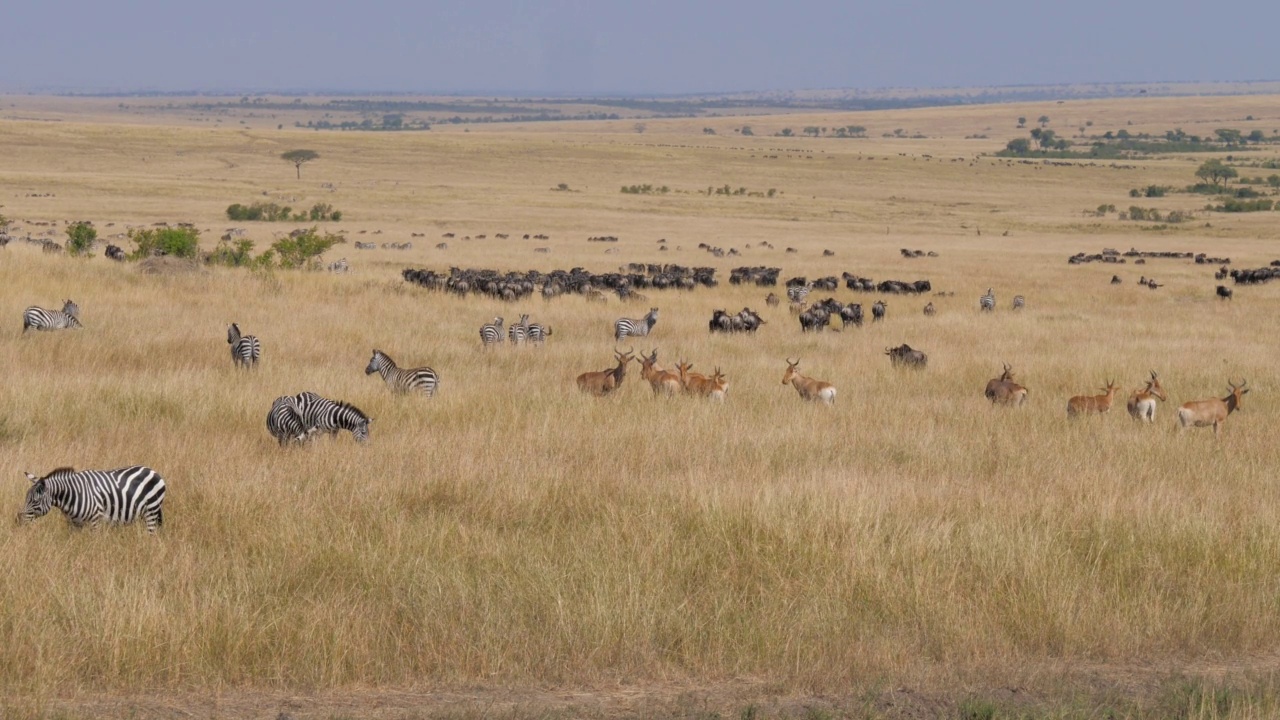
column 348, row 406
column 59, row 471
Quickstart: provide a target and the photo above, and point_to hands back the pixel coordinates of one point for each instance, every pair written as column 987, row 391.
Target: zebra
column 798, row 293
column 878, row 310
column 491, row 334
column 987, row 302
column 89, row 496
column 41, row 319
column 538, row 334
column 519, row 331
column 1019, row 302
column 423, row 379
column 320, row 414
column 339, row 266
column 624, row 327
column 245, row 349
column 285, row 423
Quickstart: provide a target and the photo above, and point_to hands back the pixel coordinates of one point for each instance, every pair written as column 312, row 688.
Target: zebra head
column 71, row 308
column 376, row 363
column 361, row 430
column 39, row 500
column 233, row 334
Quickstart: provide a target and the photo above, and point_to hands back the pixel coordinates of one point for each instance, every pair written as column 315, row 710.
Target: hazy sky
column 641, row 46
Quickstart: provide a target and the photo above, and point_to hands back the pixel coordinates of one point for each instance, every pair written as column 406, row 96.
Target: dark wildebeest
column 1225, row 292
column 904, row 355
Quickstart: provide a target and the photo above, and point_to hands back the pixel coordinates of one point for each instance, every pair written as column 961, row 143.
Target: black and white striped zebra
column 403, row 380
column 798, row 293
column 987, row 303
column 41, row 319
column 1019, row 302
column 245, row 349
column 91, row 496
column 519, row 331
column 320, row 414
column 635, row 327
column 285, row 422
column 539, row 333
column 492, row 334
column 339, row 266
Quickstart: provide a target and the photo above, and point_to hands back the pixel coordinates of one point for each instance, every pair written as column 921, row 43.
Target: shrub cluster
column 182, row 242
column 271, row 212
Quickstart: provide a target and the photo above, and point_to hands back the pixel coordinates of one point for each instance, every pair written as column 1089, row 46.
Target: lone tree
column 298, row 158
column 1215, row 171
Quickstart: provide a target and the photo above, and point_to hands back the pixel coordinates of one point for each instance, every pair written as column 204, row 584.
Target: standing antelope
column 695, row 383
column 719, row 386
column 662, row 381
column 1004, row 391
column 1202, row 413
column 1090, row 404
column 1142, row 403
column 604, row 382
column 808, row 388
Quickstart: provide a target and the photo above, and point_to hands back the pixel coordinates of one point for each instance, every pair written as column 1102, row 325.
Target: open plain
column 514, row 548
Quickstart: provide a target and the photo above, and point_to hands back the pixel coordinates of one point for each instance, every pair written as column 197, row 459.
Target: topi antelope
column 604, row 382
column 1202, row 413
column 662, row 381
column 1004, row 391
column 1091, row 404
column 809, row 389
column 1142, row 403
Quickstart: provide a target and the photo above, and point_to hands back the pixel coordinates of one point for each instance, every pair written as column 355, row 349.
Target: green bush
column 269, row 212
column 1233, row 205
column 302, row 249
column 237, row 254
column 179, row 242
column 80, row 238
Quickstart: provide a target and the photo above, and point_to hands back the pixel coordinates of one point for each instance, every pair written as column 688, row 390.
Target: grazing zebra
column 877, row 310
column 519, row 331
column 798, row 293
column 339, row 266
column 491, row 334
column 422, row 379
column 637, row 327
column 245, row 349
column 538, row 333
column 987, row 302
column 89, row 496
column 1019, row 302
column 321, row 414
column 285, row 423
column 41, row 319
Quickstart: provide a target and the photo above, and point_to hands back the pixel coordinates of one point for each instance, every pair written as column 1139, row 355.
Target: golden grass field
column 514, row 548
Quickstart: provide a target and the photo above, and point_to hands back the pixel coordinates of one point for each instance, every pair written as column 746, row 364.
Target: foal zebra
column 1019, row 302
column 41, row 319
column 987, row 302
column 89, row 496
column 635, row 327
column 491, row 334
column 422, row 379
column 245, row 349
column 285, row 423
column 320, row 414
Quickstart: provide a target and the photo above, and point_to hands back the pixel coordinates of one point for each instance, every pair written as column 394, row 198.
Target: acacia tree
column 299, row 158
column 1215, row 171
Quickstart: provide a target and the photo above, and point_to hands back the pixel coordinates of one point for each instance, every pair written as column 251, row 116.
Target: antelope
column 1142, row 403
column 809, row 389
column 694, row 383
column 606, row 381
column 1004, row 391
column 662, row 381
column 721, row 386
column 1090, row 404
column 1202, row 413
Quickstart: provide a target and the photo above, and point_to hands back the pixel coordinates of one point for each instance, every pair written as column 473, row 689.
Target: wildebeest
column 1004, row 391
column 904, row 355
column 1214, row 411
column 929, row 310
column 1225, row 292
column 878, row 310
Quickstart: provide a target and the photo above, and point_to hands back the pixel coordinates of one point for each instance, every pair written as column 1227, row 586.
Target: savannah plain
column 513, row 548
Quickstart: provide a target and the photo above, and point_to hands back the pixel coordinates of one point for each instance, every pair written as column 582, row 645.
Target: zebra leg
column 154, row 520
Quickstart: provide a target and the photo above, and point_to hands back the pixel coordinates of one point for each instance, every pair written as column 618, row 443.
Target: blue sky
column 653, row 47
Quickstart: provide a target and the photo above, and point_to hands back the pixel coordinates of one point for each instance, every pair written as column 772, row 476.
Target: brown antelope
column 721, row 386
column 1202, row 413
column 1091, row 404
column 694, row 383
column 1004, row 391
column 809, row 389
column 606, row 381
column 662, row 381
column 1142, row 403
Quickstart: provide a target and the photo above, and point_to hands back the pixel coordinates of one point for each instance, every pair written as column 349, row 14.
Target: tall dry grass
column 512, row 530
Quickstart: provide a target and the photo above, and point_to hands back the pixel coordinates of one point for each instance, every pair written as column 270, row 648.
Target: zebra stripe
column 320, row 414
column 41, row 319
column 284, row 421
column 245, row 349
column 639, row 327
column 797, row 293
column 987, row 302
column 519, row 331
column 491, row 334
column 89, row 496
column 422, row 379
column 538, row 334
column 1019, row 302
column 339, row 266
